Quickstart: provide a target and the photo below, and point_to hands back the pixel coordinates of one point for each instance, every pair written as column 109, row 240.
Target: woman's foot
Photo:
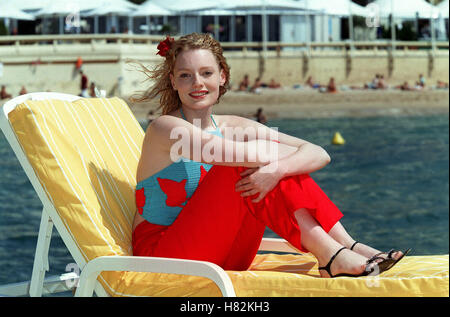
column 370, row 252
column 345, row 261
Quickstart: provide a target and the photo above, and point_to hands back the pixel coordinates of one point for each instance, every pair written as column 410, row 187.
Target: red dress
column 220, row 226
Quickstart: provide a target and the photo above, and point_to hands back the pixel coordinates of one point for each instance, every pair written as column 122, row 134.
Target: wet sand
column 298, row 103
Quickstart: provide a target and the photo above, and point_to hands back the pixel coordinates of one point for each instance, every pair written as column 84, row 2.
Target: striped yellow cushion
column 85, row 155
column 298, row 275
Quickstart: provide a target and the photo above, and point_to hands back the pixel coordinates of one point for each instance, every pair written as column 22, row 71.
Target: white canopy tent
column 65, row 7
column 149, row 9
column 68, row 10
column 187, row 11
column 263, row 4
column 31, row 5
column 400, row 10
column 404, row 9
column 112, row 11
column 443, row 9
column 336, row 7
column 179, row 6
column 263, row 8
column 114, row 8
column 341, row 8
column 8, row 11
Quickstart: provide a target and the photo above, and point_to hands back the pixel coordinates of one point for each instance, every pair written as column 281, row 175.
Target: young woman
column 208, row 185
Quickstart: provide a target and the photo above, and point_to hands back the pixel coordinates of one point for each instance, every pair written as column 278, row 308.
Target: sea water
column 390, row 180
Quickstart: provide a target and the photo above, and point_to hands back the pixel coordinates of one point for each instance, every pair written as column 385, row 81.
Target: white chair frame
column 87, row 282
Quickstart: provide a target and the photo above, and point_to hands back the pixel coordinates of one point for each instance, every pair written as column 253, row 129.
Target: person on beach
column 420, row 84
column 310, row 83
column 256, row 88
column 273, row 84
column 23, row 91
column 206, row 191
column 381, row 83
column 84, row 85
column 243, row 85
column 260, row 117
column 92, row 93
column 441, row 85
column 4, row 94
column 330, row 88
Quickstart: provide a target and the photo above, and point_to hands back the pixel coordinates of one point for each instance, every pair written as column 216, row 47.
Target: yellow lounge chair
column 81, row 157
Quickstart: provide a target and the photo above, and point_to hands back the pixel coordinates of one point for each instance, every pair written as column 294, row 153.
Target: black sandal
column 365, row 273
column 390, row 261
column 387, row 262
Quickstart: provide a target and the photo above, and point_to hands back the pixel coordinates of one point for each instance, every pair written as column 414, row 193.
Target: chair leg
column 41, row 256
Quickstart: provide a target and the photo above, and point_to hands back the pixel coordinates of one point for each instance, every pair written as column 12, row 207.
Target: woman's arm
column 181, row 138
column 307, row 158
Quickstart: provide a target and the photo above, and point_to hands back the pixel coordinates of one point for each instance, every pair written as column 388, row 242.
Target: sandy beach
column 298, row 103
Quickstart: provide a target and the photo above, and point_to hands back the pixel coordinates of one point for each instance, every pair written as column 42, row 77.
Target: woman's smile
column 199, row 94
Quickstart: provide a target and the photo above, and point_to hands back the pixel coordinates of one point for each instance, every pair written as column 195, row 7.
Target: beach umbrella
column 113, row 9
column 342, row 8
column 30, row 5
column 183, row 5
column 149, row 8
column 336, row 7
column 66, row 7
column 403, row 9
column 183, row 8
column 443, row 8
column 263, row 4
column 263, row 8
column 9, row 11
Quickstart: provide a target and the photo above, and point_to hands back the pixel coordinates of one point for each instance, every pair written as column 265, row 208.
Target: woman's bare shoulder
column 164, row 121
column 230, row 120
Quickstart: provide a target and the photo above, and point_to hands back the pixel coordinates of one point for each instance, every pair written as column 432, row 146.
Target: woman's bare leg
column 341, row 235
column 323, row 247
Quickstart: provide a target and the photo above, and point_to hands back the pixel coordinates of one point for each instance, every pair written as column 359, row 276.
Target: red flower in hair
column 164, row 46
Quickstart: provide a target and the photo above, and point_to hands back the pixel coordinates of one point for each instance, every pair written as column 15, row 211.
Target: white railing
column 55, row 39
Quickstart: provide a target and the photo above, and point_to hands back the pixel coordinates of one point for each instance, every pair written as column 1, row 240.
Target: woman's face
column 197, row 77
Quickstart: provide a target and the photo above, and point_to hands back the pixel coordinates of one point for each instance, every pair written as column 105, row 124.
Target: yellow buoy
column 338, row 139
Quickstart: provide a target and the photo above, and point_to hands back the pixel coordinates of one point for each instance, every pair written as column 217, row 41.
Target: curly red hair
column 169, row 99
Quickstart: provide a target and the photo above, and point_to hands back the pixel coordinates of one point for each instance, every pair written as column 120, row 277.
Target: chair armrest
column 93, row 268
column 277, row 245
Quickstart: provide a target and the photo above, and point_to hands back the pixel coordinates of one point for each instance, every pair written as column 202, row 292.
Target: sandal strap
column 353, row 245
column 374, row 258
column 381, row 253
column 392, row 251
column 328, row 266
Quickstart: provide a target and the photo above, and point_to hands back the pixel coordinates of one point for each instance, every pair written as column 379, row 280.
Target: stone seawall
column 51, row 67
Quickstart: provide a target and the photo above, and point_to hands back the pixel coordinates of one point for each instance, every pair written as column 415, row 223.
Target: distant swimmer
column 260, row 117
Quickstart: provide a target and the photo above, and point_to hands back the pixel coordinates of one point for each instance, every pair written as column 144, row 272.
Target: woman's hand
column 259, row 180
